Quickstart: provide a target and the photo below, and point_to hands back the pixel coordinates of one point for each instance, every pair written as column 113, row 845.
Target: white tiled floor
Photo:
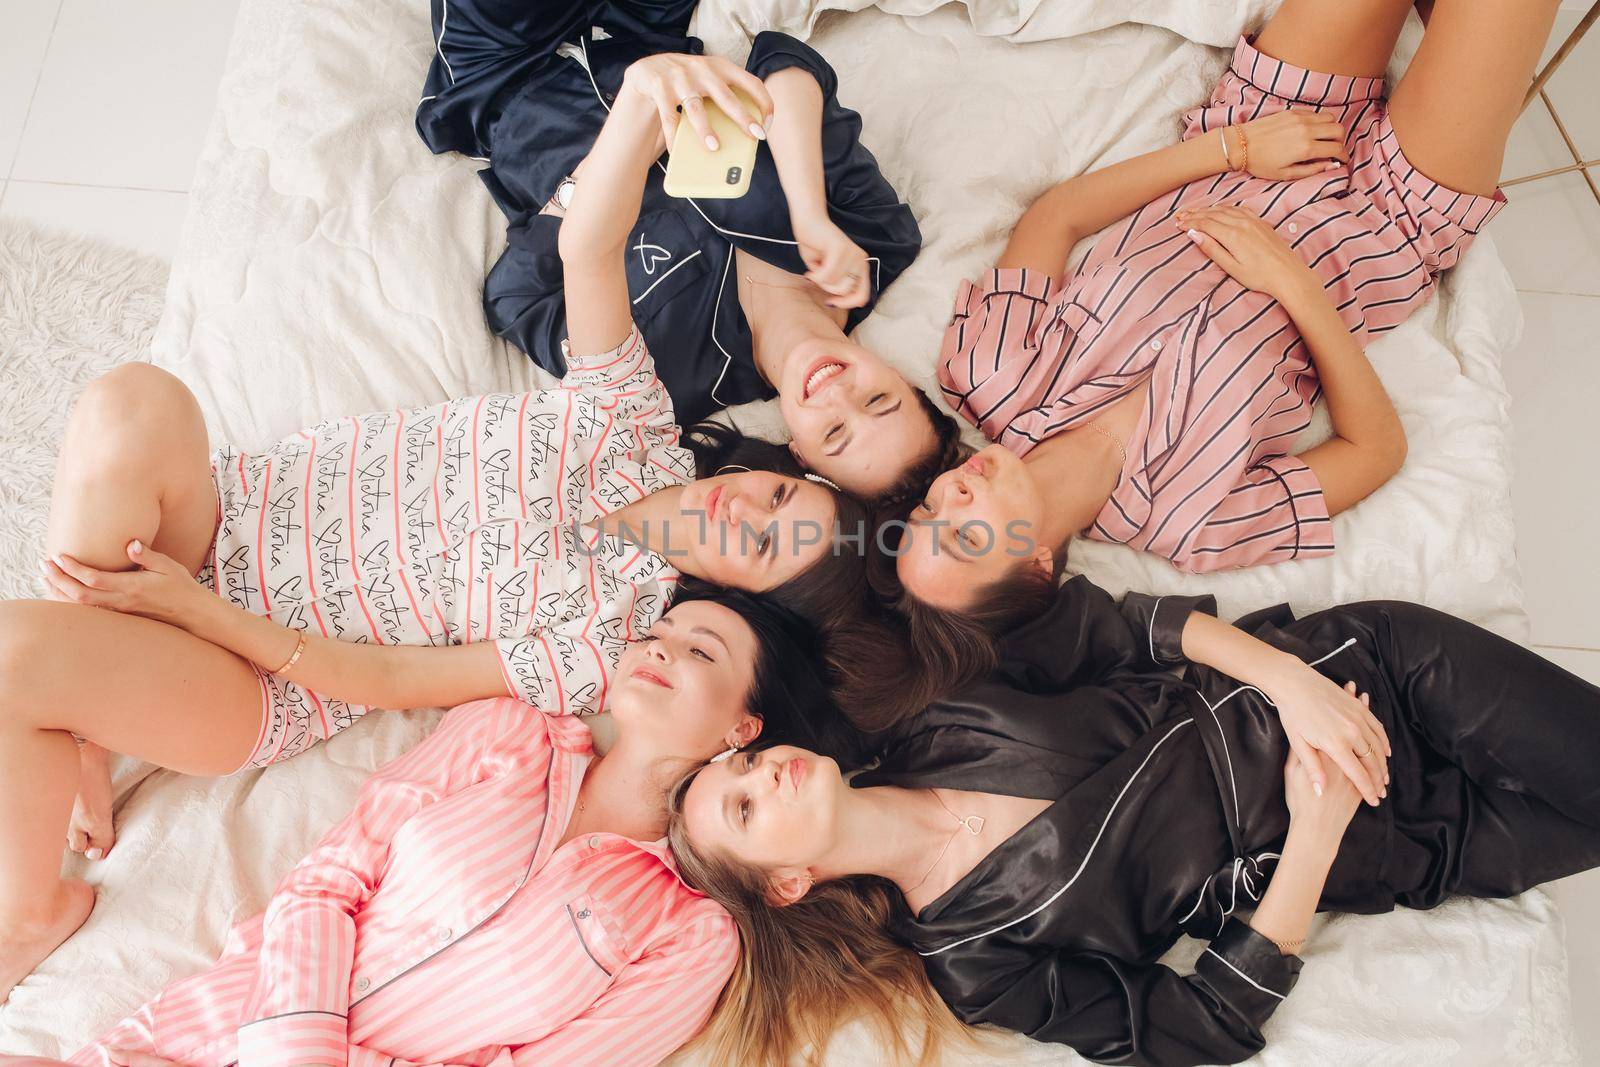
column 103, row 107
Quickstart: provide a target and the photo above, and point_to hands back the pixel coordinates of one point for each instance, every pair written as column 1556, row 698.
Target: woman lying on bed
column 1041, row 840
column 1151, row 396
column 500, row 893
column 1168, row 375
column 485, row 546
column 736, row 298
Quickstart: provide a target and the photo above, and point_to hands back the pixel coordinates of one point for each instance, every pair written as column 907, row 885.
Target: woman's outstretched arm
column 835, row 263
column 1369, row 444
column 380, row 676
column 1283, row 146
column 611, row 179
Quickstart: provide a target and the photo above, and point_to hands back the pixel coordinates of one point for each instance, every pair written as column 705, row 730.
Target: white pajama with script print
column 465, row 521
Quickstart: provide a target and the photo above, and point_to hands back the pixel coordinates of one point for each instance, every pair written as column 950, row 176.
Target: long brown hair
column 864, row 649
column 952, row 649
column 810, row 967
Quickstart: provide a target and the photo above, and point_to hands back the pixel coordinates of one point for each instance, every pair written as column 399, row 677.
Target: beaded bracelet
column 1290, row 948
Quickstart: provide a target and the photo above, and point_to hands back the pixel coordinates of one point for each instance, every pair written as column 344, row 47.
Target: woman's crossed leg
column 133, row 465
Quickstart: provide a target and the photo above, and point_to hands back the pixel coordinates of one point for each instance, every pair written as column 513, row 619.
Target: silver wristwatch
column 563, row 197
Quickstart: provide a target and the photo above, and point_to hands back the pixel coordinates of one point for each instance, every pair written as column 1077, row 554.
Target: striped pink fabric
column 1209, row 482
column 470, row 520
column 442, row 923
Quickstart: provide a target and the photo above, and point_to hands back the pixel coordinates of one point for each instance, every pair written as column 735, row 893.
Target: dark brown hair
column 947, row 451
column 954, row 649
column 810, row 967
column 831, row 588
column 866, row 652
column 788, row 686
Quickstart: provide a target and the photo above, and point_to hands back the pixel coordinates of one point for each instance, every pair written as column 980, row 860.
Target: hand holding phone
column 694, row 169
column 678, row 84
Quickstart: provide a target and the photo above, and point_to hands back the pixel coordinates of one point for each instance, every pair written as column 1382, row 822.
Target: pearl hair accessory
column 720, row 756
column 733, row 467
column 820, row 480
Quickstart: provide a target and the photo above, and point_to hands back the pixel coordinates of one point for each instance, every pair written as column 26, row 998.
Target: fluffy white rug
column 71, row 308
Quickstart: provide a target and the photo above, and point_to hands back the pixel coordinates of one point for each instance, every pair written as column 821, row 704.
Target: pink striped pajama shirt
column 1209, row 482
column 443, row 923
column 466, row 521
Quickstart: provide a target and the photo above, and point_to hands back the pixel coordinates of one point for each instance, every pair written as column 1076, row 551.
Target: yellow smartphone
column 695, row 171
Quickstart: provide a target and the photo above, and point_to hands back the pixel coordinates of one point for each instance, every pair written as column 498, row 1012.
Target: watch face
column 564, row 192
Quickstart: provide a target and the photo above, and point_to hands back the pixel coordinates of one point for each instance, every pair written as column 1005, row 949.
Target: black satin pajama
column 1168, row 811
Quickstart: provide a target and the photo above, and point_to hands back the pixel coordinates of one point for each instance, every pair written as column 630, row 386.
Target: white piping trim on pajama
column 1087, row 856
column 1233, row 786
column 1212, row 708
column 1348, row 642
column 664, row 277
column 1200, row 896
column 1241, row 974
column 438, row 44
column 716, row 310
column 1153, row 609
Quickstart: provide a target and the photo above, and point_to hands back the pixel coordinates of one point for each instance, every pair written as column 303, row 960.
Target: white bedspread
column 330, row 265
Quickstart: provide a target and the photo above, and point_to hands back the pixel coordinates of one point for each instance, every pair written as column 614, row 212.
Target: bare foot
column 25, row 948
column 90, row 830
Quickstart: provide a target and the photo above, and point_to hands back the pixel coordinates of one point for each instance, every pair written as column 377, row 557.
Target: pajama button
column 594, row 842
column 363, row 984
column 1155, row 345
column 444, row 935
column 1294, row 227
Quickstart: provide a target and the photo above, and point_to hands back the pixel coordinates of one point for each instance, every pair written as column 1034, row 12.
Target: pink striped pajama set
column 444, row 923
column 1209, row 482
column 470, row 520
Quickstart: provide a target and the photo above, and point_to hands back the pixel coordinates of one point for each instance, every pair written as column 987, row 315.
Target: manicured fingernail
column 1331, row 166
column 1194, row 235
column 757, row 132
column 711, row 142
column 1316, row 787
column 96, row 854
column 44, row 568
column 136, row 547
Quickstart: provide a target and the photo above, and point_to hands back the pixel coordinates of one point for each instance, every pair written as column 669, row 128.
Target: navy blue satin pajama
column 526, row 87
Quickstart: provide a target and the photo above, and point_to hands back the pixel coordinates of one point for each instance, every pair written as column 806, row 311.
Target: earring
column 820, row 480
column 720, row 756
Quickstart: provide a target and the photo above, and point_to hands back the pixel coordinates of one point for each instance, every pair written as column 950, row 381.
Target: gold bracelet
column 1227, row 158
column 299, row 648
column 1244, row 150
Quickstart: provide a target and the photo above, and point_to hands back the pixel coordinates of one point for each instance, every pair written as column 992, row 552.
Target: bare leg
column 134, row 464
column 126, row 683
column 1351, row 37
column 1455, row 107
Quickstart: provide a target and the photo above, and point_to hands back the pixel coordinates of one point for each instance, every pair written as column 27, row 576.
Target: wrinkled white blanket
column 330, row 265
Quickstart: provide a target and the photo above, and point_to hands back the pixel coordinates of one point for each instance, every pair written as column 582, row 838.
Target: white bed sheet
column 330, row 265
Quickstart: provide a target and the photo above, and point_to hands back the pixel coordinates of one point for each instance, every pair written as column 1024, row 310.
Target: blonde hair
column 810, row 967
